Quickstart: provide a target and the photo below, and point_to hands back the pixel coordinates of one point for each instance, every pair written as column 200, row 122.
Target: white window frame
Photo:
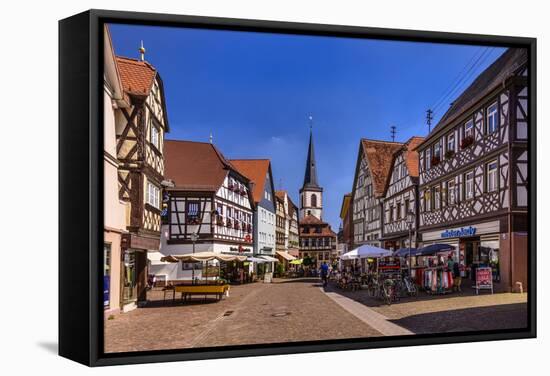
column 449, row 143
column 153, row 195
column 155, row 136
column 451, row 192
column 492, row 118
column 469, row 185
column 492, row 176
column 469, row 128
column 428, row 158
column 437, row 197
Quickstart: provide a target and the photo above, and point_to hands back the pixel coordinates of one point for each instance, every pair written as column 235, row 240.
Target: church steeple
column 311, row 193
column 310, row 177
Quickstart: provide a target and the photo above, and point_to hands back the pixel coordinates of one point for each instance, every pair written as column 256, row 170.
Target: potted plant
column 466, row 141
column 435, row 160
column 228, row 224
column 449, row 154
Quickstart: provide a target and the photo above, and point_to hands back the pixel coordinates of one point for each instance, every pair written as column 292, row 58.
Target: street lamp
column 410, row 221
column 194, row 238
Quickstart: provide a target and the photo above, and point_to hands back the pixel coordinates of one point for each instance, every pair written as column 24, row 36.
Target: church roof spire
column 310, row 177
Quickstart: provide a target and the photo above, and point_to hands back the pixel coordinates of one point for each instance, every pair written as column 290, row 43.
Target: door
column 129, row 278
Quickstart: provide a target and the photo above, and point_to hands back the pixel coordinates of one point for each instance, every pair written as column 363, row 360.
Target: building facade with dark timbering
column 400, row 203
column 473, row 174
column 371, row 172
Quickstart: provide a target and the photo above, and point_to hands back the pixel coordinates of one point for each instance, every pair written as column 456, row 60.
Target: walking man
column 324, row 273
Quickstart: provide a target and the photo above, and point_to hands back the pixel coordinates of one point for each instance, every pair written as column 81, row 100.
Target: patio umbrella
column 351, row 255
column 370, row 251
column 404, row 252
column 257, row 260
column 433, row 249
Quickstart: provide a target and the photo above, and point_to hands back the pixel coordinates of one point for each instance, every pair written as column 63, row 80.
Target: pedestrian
column 457, row 279
column 324, row 273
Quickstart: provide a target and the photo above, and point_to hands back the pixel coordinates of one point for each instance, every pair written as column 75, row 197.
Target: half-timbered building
column 346, row 215
column 263, row 193
column 371, row 171
column 210, row 206
column 473, row 173
column 401, row 198
column 140, row 129
column 114, row 212
column 282, row 225
column 293, row 231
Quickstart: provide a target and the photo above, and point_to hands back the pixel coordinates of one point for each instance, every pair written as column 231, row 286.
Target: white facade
column 266, row 231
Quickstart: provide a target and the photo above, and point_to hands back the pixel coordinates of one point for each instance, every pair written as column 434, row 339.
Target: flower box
column 466, row 142
column 435, row 160
column 449, row 154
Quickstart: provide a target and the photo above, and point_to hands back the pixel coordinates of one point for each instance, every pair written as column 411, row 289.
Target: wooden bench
column 189, row 290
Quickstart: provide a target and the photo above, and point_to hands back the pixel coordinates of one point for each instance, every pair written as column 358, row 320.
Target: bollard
column 518, row 288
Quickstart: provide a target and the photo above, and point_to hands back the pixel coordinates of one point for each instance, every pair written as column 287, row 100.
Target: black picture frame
column 81, row 194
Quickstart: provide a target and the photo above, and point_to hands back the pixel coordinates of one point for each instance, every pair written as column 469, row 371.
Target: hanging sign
column 484, row 279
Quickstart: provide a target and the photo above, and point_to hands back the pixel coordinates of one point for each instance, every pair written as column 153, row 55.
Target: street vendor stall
column 430, row 268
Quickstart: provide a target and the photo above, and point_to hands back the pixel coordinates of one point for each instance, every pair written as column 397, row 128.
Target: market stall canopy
column 155, row 258
column 297, row 262
column 404, row 252
column 366, row 251
column 257, row 260
column 433, row 249
column 203, row 256
column 286, row 256
column 269, row 258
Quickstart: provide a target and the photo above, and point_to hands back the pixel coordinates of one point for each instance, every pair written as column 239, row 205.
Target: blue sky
column 255, row 91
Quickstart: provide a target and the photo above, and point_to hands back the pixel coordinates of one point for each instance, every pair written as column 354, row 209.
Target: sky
column 255, row 92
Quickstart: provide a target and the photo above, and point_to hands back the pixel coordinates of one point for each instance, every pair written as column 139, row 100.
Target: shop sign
column 458, row 233
column 484, row 279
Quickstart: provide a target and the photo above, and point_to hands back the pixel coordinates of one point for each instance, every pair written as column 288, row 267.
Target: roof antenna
column 429, row 119
column 142, row 52
column 393, row 132
column 211, row 138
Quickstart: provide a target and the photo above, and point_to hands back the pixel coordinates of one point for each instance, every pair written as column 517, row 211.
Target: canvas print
column 266, row 188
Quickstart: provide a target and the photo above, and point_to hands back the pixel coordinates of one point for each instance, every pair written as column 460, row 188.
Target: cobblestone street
column 300, row 310
column 285, row 311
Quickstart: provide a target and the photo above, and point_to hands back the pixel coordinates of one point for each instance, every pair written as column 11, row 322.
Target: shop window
column 492, row 176
column 492, row 118
column 106, row 259
column 469, row 185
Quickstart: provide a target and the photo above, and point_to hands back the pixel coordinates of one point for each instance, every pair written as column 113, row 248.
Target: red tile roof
column 255, row 170
column 411, row 155
column 196, row 165
column 379, row 156
column 137, row 76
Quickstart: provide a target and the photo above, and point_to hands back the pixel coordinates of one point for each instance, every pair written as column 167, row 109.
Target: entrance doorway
column 472, row 255
column 129, row 277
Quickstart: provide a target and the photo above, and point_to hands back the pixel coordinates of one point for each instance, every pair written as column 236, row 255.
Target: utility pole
column 393, row 132
column 429, row 118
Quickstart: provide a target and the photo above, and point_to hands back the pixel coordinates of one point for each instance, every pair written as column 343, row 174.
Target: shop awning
column 257, row 260
column 404, row 252
column 202, row 257
column 286, row 256
column 433, row 249
column 297, row 262
column 269, row 258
